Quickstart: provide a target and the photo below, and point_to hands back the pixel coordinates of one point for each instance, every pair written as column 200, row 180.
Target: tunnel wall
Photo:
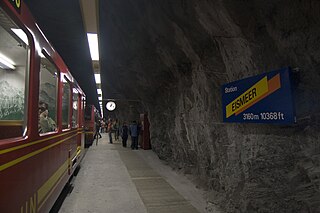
column 177, row 54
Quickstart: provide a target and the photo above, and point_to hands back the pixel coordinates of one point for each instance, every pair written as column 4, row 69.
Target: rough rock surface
column 174, row 56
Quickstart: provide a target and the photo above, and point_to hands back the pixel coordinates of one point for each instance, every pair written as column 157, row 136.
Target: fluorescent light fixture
column 6, row 63
column 93, row 45
column 21, row 34
column 98, row 79
column 99, row 91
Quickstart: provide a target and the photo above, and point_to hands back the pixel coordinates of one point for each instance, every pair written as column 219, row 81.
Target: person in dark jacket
column 134, row 135
column 124, row 134
column 98, row 126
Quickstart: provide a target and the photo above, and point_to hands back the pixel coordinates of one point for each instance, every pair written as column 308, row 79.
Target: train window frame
column 65, row 81
column 25, row 42
column 83, row 105
column 56, row 74
column 76, row 92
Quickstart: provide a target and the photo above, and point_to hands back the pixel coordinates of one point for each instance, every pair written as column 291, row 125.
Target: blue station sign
column 265, row 98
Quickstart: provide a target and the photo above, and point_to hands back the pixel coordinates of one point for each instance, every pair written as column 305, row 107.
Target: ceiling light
column 97, row 78
column 99, row 91
column 21, row 34
column 93, row 45
column 6, row 63
column 100, row 98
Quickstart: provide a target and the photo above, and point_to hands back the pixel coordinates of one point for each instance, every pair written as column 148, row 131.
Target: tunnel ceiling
column 171, row 57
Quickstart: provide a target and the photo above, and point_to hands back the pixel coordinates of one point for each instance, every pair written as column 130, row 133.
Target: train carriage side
column 90, row 127
column 41, row 115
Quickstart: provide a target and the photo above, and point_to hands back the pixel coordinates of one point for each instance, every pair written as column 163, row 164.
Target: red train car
column 41, row 115
column 90, row 126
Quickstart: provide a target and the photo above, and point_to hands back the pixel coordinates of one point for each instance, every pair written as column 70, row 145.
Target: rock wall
column 175, row 55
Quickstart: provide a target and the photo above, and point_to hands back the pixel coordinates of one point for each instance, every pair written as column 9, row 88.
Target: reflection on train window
column 83, row 104
column 13, row 70
column 75, row 97
column 66, row 105
column 48, row 96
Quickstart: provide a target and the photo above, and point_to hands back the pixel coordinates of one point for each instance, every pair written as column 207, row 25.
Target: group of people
column 47, row 124
column 112, row 127
column 133, row 130
column 109, row 126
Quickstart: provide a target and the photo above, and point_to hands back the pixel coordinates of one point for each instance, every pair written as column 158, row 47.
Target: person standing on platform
column 116, row 129
column 134, row 135
column 109, row 130
column 98, row 126
column 124, row 134
column 103, row 125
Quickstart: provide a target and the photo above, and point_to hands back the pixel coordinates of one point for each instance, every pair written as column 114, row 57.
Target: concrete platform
column 116, row 179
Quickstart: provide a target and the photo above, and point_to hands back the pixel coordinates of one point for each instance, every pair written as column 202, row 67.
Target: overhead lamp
column 97, row 78
column 99, row 91
column 21, row 34
column 93, row 45
column 6, row 63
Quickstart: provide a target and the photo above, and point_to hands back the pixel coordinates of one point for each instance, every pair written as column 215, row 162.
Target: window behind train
column 66, row 105
column 14, row 65
column 48, row 96
column 75, row 119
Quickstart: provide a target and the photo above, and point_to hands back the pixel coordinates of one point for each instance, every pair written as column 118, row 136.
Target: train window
column 48, row 96
column 66, row 105
column 14, row 63
column 75, row 97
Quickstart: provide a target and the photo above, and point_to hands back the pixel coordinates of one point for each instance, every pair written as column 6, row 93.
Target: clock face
column 111, row 105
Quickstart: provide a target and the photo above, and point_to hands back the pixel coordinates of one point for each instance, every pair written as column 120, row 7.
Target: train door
column 89, row 125
column 82, row 112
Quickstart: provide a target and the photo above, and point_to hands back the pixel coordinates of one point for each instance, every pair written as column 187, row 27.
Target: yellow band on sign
column 249, row 96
